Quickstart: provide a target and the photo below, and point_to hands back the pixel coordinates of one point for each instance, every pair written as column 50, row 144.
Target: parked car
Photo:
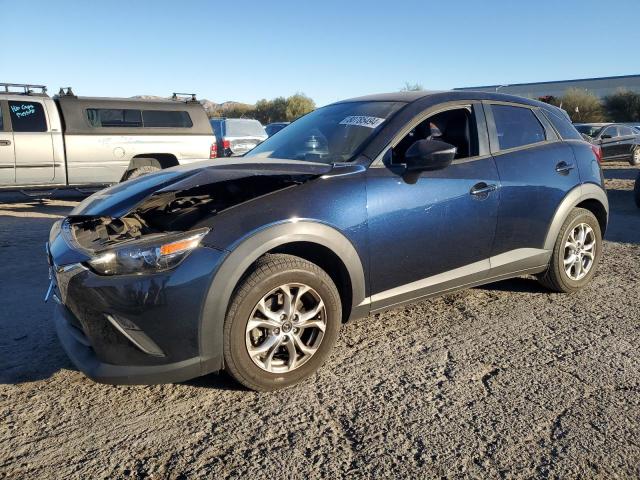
column 253, row 264
column 618, row 141
column 92, row 141
column 275, row 127
column 236, row 136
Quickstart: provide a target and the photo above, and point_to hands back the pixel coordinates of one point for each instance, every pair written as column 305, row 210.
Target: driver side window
column 456, row 127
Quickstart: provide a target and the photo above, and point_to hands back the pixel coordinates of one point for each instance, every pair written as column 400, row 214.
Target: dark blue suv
column 252, row 264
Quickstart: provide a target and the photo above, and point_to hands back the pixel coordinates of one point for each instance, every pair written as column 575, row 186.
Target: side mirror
column 605, row 136
column 426, row 155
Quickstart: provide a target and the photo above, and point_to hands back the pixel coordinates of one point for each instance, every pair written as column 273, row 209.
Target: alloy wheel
column 579, row 251
column 285, row 328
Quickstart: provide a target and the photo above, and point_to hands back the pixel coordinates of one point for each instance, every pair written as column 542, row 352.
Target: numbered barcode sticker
column 362, row 121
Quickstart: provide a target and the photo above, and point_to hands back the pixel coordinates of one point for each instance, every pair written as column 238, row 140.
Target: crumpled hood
column 121, row 198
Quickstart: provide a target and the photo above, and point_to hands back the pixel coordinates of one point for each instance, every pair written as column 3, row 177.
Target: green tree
column 297, row 106
column 623, row 106
column 582, row 106
column 412, row 87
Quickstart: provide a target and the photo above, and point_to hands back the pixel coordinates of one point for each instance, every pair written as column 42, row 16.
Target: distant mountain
column 212, row 108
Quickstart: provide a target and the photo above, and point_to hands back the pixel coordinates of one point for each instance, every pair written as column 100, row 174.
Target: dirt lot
column 501, row 381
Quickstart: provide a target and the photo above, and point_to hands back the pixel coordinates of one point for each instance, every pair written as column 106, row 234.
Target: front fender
column 247, row 251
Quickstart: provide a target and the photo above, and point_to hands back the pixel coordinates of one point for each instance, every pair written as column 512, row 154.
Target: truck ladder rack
column 26, row 88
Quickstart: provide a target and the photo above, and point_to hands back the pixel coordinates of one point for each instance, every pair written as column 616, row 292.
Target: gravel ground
column 506, row 381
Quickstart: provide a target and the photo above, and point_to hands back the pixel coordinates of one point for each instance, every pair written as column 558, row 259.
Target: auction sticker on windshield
column 362, row 121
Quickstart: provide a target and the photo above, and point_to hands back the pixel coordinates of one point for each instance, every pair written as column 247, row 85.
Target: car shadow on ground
column 218, row 381
column 520, row 284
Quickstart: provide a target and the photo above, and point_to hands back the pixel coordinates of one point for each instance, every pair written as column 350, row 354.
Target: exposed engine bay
column 174, row 211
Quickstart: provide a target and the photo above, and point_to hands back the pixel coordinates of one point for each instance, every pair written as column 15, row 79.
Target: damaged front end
column 130, row 273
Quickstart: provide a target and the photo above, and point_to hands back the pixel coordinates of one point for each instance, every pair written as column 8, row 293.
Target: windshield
column 237, row 127
column 330, row 134
column 591, row 130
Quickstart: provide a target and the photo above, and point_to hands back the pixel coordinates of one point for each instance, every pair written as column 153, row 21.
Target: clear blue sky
column 246, row 50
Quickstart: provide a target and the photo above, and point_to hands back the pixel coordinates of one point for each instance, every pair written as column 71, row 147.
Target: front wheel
column 576, row 253
column 282, row 323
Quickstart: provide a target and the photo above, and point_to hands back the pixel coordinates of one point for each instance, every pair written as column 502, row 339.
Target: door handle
column 482, row 188
column 5, row 143
column 564, row 167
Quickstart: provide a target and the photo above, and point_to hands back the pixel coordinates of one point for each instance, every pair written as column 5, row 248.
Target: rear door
column 627, row 140
column 7, row 158
column 33, row 142
column 536, row 171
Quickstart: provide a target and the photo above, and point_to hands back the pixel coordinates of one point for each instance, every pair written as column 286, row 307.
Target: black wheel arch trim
column 248, row 250
column 576, row 196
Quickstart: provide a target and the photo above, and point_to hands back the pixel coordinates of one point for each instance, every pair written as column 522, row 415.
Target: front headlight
column 148, row 255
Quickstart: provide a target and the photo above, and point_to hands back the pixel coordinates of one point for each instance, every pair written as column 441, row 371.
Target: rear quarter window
column 516, row 126
column 166, row 119
column 27, row 117
column 565, row 128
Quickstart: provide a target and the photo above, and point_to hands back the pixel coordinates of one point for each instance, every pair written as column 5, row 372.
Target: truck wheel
column 636, row 191
column 576, row 253
column 635, row 157
column 140, row 171
column 282, row 323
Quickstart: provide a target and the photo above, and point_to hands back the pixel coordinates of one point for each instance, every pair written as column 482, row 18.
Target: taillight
column 597, row 151
column 213, row 153
column 226, row 143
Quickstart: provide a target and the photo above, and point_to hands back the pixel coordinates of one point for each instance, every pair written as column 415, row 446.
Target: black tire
column 635, row 157
column 140, row 171
column 556, row 278
column 636, row 191
column 268, row 273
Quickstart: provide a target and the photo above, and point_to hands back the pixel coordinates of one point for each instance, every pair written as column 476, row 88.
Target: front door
column 7, row 158
column 432, row 231
column 33, row 143
column 609, row 142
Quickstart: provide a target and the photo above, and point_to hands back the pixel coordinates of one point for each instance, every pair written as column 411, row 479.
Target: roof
column 443, row 96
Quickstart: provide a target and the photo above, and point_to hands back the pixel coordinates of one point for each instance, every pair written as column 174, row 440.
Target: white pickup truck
column 70, row 141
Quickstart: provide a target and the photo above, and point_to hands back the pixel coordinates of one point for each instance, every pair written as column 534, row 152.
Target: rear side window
column 114, row 117
column 565, row 128
column 516, row 126
column 164, row 119
column 626, row 131
column 27, row 117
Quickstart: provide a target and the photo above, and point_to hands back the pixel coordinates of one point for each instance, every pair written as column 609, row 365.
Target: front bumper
column 134, row 329
column 79, row 350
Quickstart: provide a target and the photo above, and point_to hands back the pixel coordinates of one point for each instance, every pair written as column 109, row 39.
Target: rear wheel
column 635, row 157
column 576, row 253
column 282, row 323
column 140, row 171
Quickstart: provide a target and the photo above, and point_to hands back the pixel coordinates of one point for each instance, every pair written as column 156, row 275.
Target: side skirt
column 519, row 262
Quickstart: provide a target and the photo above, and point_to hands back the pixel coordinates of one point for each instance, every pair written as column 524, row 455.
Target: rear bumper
column 78, row 349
